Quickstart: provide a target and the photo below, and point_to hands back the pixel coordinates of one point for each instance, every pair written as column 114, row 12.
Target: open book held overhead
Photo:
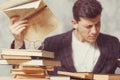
column 40, row 18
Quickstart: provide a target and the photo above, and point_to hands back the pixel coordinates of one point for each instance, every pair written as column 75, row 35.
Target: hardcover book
column 25, row 53
column 40, row 18
column 27, row 62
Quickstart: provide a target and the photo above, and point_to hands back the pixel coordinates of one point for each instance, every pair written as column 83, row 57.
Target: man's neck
column 78, row 36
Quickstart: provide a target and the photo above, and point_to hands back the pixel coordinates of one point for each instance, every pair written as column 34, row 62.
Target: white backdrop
column 63, row 11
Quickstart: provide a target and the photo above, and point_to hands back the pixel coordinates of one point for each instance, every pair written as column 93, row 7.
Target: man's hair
column 86, row 8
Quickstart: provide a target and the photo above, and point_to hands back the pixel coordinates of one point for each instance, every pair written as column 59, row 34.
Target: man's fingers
column 20, row 30
column 19, row 27
column 22, row 27
column 14, row 19
column 18, row 23
column 21, row 22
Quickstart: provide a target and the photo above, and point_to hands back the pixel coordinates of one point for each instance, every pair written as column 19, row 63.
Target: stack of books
column 24, row 72
column 90, row 76
column 29, row 64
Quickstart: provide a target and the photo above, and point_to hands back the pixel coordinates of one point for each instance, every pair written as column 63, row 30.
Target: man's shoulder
column 56, row 42
column 107, row 37
column 60, row 36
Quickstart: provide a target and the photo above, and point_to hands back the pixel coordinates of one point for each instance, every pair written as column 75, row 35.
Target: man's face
column 87, row 29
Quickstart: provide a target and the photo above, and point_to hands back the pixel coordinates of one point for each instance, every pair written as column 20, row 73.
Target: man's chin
column 92, row 40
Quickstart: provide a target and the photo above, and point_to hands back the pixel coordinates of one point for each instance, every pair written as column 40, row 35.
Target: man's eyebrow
column 98, row 22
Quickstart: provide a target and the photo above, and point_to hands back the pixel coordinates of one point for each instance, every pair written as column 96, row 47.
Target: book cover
column 30, row 62
column 25, row 53
column 40, row 18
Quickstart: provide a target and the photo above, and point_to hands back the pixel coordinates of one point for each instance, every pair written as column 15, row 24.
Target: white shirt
column 85, row 55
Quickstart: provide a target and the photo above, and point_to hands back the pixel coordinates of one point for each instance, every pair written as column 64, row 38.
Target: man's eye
column 89, row 26
column 98, row 24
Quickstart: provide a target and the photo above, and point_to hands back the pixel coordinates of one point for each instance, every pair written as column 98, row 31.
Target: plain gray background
column 63, row 11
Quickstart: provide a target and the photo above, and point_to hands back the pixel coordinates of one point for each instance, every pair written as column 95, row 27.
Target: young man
column 83, row 49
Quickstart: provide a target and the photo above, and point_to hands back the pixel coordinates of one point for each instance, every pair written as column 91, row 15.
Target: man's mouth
column 93, row 37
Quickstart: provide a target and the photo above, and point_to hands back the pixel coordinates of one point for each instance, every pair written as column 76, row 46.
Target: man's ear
column 74, row 23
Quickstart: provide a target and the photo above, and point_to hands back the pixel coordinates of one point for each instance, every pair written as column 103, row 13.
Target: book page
column 29, row 5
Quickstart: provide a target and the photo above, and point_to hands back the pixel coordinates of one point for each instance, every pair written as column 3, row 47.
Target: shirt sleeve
column 13, row 45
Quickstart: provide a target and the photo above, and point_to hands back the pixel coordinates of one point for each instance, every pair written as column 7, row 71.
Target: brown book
column 84, row 75
column 101, row 77
column 15, row 57
column 60, row 78
column 30, row 62
column 13, row 3
column 41, row 20
column 27, row 76
column 20, row 71
column 46, row 68
column 25, row 53
column 22, row 8
column 106, row 76
column 11, row 78
column 31, row 69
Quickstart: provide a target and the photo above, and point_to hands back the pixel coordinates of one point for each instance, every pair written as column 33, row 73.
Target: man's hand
column 17, row 27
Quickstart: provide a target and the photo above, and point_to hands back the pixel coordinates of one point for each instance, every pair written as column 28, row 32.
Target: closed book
column 11, row 53
column 11, row 78
column 27, row 76
column 106, row 76
column 60, row 78
column 30, row 62
column 15, row 57
column 20, row 71
column 47, row 68
column 80, row 75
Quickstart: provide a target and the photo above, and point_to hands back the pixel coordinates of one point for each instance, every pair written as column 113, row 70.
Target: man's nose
column 94, row 30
